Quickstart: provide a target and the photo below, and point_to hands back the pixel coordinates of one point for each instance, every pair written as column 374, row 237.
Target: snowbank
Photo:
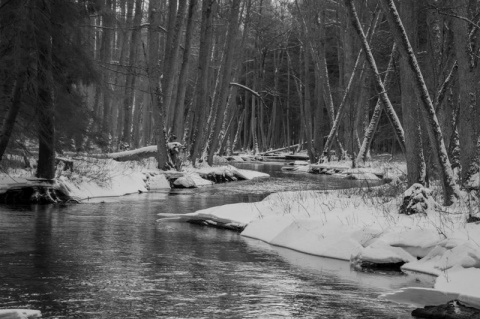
column 102, row 178
column 19, row 314
column 347, row 226
column 94, row 177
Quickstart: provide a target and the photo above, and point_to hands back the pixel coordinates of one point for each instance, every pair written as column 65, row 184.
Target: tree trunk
column 171, row 61
column 131, row 75
column 118, row 110
column 226, row 77
column 179, row 116
column 469, row 128
column 372, row 127
column 109, row 19
column 416, row 168
column 9, row 121
column 341, row 109
column 153, row 73
column 45, row 93
column 201, row 103
column 451, row 189
column 388, row 107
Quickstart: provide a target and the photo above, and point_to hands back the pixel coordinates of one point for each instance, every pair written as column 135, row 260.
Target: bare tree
column 388, row 107
column 451, row 189
column 153, row 72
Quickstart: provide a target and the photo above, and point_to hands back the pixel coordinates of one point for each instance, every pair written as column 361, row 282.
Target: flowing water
column 112, row 259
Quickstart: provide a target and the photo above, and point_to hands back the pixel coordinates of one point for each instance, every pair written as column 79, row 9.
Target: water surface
column 113, row 260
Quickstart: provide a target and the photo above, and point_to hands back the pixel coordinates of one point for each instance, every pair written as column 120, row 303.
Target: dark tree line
column 227, row 75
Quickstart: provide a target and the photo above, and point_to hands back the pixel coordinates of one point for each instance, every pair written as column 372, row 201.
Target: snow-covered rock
column 191, row 180
column 417, row 200
column 474, row 181
column 380, row 252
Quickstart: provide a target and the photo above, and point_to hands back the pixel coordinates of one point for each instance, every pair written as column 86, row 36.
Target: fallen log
column 141, row 153
column 280, row 149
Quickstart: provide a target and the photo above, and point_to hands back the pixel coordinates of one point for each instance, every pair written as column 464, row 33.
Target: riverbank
column 361, row 226
column 364, row 227
column 93, row 178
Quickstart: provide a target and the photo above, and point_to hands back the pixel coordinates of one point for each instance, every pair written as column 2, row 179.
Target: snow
column 474, row 181
column 94, row 177
column 19, row 314
column 344, row 225
column 103, row 178
column 191, row 180
column 248, row 174
column 147, row 149
column 363, row 176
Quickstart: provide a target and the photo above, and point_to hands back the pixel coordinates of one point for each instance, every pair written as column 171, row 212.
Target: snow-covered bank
column 19, row 314
column 359, row 226
column 94, row 177
column 103, row 178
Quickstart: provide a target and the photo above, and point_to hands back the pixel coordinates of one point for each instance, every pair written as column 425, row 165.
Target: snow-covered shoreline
column 356, row 227
column 96, row 178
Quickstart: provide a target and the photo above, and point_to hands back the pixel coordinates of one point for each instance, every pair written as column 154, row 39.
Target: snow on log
column 281, row 149
column 141, row 153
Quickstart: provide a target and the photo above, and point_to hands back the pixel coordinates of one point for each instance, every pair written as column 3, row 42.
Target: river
column 110, row 258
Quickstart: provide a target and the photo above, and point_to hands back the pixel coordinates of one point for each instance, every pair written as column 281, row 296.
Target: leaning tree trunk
column 341, row 108
column 200, row 107
column 450, row 188
column 324, row 74
column 388, row 107
column 226, row 78
column 372, row 126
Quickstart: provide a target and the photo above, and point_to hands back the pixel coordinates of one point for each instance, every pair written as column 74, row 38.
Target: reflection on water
column 112, row 260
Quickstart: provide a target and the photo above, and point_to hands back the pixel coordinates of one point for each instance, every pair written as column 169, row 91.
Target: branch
column 132, row 28
column 246, row 88
column 458, row 17
column 443, row 88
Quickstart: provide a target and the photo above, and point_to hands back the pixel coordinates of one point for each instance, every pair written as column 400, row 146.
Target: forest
column 222, row 76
